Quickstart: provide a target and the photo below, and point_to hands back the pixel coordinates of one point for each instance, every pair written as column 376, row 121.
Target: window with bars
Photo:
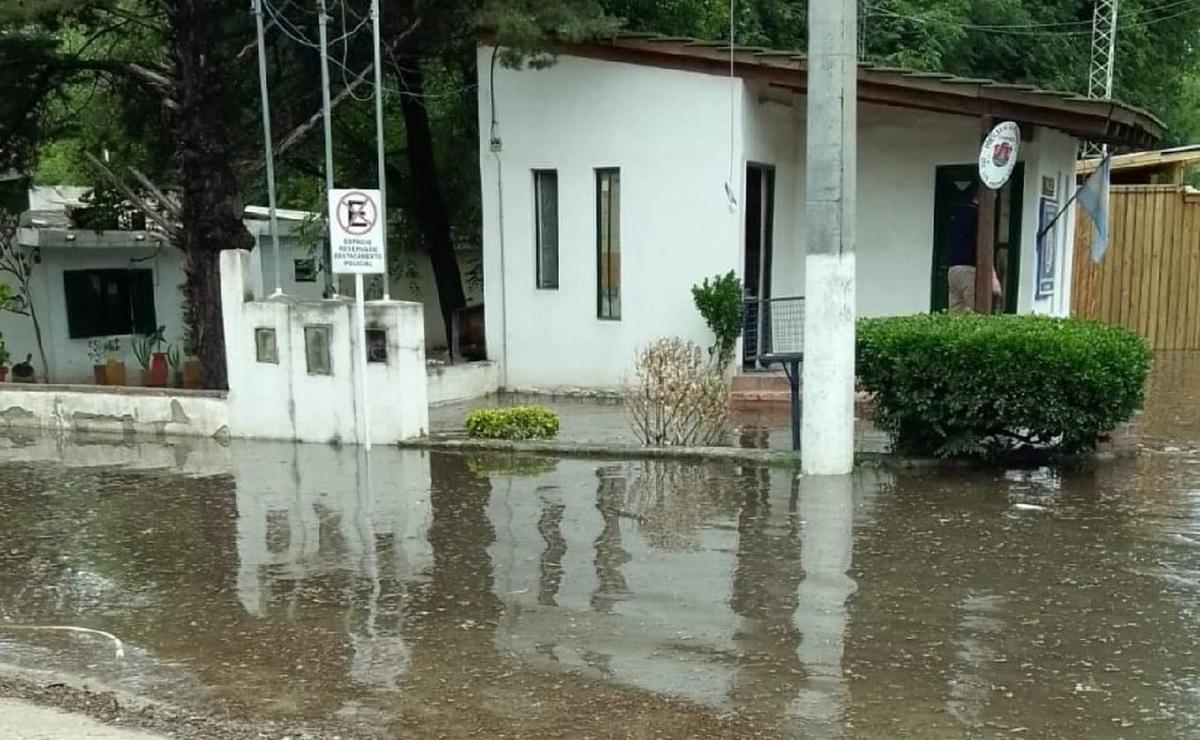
column 545, row 193
column 608, row 243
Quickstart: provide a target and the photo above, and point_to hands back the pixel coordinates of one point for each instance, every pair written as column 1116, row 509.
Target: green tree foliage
column 1041, row 42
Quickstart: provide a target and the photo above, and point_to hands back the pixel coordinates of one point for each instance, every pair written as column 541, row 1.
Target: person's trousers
column 962, row 288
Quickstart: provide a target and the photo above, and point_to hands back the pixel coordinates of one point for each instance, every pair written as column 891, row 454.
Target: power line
column 1046, row 30
column 346, row 51
column 290, row 30
column 407, row 93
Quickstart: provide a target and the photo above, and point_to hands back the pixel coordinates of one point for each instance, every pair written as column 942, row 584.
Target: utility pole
column 827, row 430
column 1104, row 55
column 268, row 145
column 864, row 12
column 379, row 143
column 322, row 23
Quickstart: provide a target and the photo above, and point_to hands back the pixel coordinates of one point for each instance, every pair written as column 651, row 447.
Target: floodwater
column 443, row 595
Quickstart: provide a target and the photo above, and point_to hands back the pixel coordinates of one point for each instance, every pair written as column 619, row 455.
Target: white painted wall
column 284, row 401
column 125, row 411
column 1050, row 154
column 669, row 132
column 899, row 152
column 462, row 381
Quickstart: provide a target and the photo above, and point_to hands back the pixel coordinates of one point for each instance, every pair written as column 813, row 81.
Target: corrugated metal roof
column 1105, row 120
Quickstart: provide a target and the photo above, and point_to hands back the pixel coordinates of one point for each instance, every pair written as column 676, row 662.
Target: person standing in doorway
column 964, row 222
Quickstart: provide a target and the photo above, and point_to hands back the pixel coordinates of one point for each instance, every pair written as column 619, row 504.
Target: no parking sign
column 356, row 231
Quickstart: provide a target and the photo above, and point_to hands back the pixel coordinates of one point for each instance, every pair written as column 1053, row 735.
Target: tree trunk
column 212, row 209
column 428, row 203
column 37, row 335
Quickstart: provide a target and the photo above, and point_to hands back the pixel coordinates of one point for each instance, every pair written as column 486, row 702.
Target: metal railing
column 773, row 329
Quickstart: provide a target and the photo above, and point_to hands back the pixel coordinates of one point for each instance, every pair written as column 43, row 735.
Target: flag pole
column 1046, row 229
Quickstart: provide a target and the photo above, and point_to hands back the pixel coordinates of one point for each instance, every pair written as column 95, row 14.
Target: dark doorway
column 760, row 225
column 953, row 188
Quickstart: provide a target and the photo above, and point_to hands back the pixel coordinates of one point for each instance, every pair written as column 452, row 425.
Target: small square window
column 376, row 345
column 305, row 270
column 317, row 340
column 265, row 347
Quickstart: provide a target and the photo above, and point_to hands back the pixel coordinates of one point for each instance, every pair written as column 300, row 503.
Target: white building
column 117, row 283
column 632, row 168
column 144, row 278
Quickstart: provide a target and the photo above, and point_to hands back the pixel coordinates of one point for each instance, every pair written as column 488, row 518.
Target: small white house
column 115, row 284
column 619, row 177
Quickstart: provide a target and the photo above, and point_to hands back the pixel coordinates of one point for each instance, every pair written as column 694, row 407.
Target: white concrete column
column 827, row 431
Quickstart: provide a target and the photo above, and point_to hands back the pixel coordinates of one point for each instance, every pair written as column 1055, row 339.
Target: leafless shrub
column 673, row 501
column 677, row 397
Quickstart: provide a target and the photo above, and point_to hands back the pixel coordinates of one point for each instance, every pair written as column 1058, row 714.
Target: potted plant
column 175, row 360
column 143, row 352
column 97, row 354
column 159, row 373
column 114, row 368
column 3, row 361
column 191, row 366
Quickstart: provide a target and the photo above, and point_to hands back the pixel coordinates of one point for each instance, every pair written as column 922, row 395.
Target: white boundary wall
column 288, row 400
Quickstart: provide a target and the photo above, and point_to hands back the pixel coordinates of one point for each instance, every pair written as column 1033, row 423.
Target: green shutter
column 81, row 316
column 141, row 298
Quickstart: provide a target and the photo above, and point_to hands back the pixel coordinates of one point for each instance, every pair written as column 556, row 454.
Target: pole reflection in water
column 314, row 517
column 827, row 545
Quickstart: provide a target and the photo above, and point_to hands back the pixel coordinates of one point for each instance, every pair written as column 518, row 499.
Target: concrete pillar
column 827, row 433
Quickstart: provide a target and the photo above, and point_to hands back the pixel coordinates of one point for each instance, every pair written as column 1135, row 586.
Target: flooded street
column 445, row 595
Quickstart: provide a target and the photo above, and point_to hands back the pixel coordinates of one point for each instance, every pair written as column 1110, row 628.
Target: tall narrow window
column 608, row 243
column 545, row 193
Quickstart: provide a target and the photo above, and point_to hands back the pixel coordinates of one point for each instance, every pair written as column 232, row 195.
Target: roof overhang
column 55, row 238
column 1183, row 156
column 1101, row 121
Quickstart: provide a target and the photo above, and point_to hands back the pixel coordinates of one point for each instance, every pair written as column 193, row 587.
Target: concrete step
column 759, row 381
column 771, row 394
column 758, row 390
column 759, row 399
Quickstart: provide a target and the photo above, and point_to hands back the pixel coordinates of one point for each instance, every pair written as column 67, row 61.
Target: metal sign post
column 357, row 247
column 379, row 145
column 268, row 145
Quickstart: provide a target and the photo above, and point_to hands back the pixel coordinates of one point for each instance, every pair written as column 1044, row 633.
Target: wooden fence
column 1149, row 279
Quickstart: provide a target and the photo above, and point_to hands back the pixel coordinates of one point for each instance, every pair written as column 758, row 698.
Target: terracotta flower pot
column 158, row 370
column 100, row 373
column 191, row 373
column 114, row 371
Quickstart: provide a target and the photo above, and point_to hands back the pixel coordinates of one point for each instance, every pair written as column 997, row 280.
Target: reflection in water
column 827, row 511
column 550, row 570
column 432, row 595
column 610, row 557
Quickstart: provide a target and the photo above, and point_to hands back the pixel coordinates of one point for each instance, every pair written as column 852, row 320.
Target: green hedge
column 513, row 422
column 974, row 385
